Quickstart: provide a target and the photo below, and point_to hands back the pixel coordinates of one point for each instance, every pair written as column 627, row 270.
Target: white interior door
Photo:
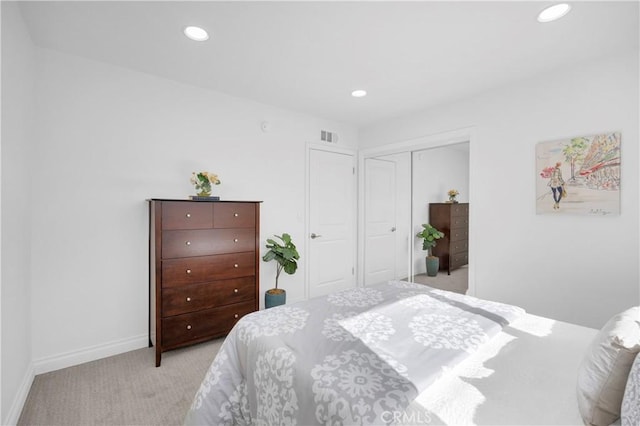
column 332, row 222
column 380, row 221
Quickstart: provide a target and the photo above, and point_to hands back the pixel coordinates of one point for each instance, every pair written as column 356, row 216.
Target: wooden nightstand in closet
column 204, row 269
column 453, row 220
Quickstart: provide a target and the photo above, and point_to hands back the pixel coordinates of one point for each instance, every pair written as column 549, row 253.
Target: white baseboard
column 21, row 397
column 69, row 359
column 92, row 353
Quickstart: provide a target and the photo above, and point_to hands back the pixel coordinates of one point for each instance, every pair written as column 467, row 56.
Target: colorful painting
column 579, row 175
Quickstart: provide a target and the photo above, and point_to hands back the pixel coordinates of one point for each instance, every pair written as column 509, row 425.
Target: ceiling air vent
column 327, row 136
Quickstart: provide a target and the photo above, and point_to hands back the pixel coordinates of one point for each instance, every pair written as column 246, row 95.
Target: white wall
column 109, row 138
column 18, row 67
column 577, row 269
column 435, row 172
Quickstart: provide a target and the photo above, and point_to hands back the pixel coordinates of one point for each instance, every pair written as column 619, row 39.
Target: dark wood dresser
column 203, row 269
column 453, row 220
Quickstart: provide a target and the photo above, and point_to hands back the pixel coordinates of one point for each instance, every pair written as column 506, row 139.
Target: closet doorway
column 435, row 171
column 423, row 171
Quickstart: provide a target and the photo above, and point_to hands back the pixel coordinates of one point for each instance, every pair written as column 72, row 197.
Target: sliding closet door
column 380, row 221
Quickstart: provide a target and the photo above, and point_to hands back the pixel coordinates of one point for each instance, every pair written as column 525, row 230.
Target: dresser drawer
column 204, row 242
column 186, row 215
column 177, row 272
column 234, row 215
column 460, row 209
column 458, row 246
column 196, row 297
column 458, row 234
column 458, row 259
column 459, row 222
column 198, row 326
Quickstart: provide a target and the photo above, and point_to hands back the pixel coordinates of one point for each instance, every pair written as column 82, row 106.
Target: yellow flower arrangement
column 452, row 193
column 203, row 181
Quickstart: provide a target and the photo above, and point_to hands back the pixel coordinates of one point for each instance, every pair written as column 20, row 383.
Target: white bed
column 289, row 365
column 525, row 375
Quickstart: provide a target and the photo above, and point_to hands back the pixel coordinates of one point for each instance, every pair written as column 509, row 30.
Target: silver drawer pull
column 235, row 240
column 235, row 290
column 235, row 265
column 188, row 243
column 188, row 215
column 235, row 215
column 189, row 327
column 188, row 299
column 235, row 316
column 188, row 271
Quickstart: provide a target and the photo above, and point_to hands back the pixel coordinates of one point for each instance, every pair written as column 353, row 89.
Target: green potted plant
column 284, row 252
column 429, row 235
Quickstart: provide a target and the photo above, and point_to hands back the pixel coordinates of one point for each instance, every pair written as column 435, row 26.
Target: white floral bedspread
column 353, row 357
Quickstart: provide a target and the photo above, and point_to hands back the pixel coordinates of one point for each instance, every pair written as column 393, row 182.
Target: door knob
column 393, row 229
column 314, row 236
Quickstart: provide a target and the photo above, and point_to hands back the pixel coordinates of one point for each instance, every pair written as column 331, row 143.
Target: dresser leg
column 158, row 358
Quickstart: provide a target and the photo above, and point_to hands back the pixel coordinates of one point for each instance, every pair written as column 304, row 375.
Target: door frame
column 311, row 146
column 452, row 137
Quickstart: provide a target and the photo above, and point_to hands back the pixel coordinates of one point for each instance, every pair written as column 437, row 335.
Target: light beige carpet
column 457, row 282
column 125, row 389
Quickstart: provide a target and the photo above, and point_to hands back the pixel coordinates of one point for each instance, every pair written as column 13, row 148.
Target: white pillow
column 602, row 376
column 631, row 401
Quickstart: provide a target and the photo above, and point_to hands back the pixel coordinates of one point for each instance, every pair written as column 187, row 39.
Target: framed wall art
column 579, row 175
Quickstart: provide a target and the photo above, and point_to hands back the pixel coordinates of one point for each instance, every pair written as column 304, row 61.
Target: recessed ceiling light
column 359, row 93
column 554, row 12
column 196, row 33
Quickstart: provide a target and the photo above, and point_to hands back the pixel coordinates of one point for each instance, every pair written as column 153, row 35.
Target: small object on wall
column 327, row 136
column 202, row 182
column 579, row 175
column 452, row 193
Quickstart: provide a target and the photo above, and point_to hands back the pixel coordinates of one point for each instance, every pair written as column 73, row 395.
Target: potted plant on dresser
column 429, row 235
column 286, row 255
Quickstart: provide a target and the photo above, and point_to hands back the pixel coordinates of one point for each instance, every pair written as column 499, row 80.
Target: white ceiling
column 309, row 56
